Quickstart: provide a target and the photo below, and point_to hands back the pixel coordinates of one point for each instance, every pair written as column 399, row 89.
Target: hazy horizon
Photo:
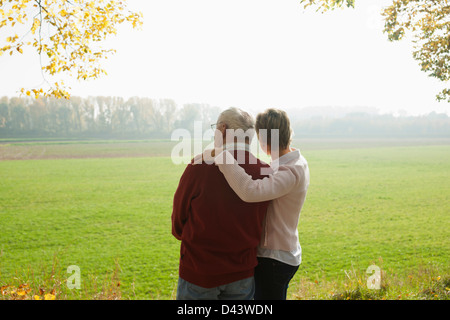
column 253, row 55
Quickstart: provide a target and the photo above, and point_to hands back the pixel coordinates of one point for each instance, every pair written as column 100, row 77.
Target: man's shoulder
column 247, row 160
column 201, row 168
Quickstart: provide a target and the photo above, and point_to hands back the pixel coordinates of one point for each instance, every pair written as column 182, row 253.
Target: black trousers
column 272, row 279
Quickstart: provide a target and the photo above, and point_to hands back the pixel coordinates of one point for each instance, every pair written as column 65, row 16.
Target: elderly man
column 219, row 232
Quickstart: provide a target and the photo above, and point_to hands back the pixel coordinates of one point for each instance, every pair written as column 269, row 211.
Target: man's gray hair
column 240, row 125
column 236, row 118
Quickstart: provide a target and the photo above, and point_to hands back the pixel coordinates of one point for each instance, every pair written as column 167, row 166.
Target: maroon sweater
column 219, row 232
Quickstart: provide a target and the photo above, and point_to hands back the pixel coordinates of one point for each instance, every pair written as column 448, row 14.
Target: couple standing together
column 237, row 217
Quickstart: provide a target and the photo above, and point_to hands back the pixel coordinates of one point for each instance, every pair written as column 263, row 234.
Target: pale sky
column 254, row 54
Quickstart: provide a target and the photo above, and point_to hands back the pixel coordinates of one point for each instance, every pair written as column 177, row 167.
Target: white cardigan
column 287, row 187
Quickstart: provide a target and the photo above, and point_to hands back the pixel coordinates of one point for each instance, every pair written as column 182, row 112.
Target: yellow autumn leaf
column 49, row 296
column 36, row 24
column 36, row 297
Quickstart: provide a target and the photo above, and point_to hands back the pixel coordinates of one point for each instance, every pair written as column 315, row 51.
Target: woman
column 279, row 253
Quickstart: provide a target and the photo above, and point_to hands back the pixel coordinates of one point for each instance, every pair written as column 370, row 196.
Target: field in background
column 27, row 149
column 105, row 206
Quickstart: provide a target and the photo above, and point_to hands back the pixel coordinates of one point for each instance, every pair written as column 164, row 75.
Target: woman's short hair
column 275, row 119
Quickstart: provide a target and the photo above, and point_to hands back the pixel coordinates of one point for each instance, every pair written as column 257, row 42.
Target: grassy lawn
column 108, row 212
column 382, row 206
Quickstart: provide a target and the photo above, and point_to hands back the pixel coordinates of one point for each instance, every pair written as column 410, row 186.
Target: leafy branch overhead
column 426, row 22
column 67, row 36
column 325, row 5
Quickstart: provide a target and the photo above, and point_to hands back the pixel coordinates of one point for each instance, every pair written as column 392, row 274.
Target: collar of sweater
column 237, row 146
column 288, row 157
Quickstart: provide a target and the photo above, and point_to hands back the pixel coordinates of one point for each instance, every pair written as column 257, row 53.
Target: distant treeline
column 99, row 117
column 115, row 117
column 432, row 125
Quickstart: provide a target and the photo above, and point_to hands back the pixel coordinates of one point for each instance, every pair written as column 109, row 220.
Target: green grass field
column 106, row 208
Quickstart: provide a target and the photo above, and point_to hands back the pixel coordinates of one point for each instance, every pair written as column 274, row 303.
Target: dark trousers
column 272, row 279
